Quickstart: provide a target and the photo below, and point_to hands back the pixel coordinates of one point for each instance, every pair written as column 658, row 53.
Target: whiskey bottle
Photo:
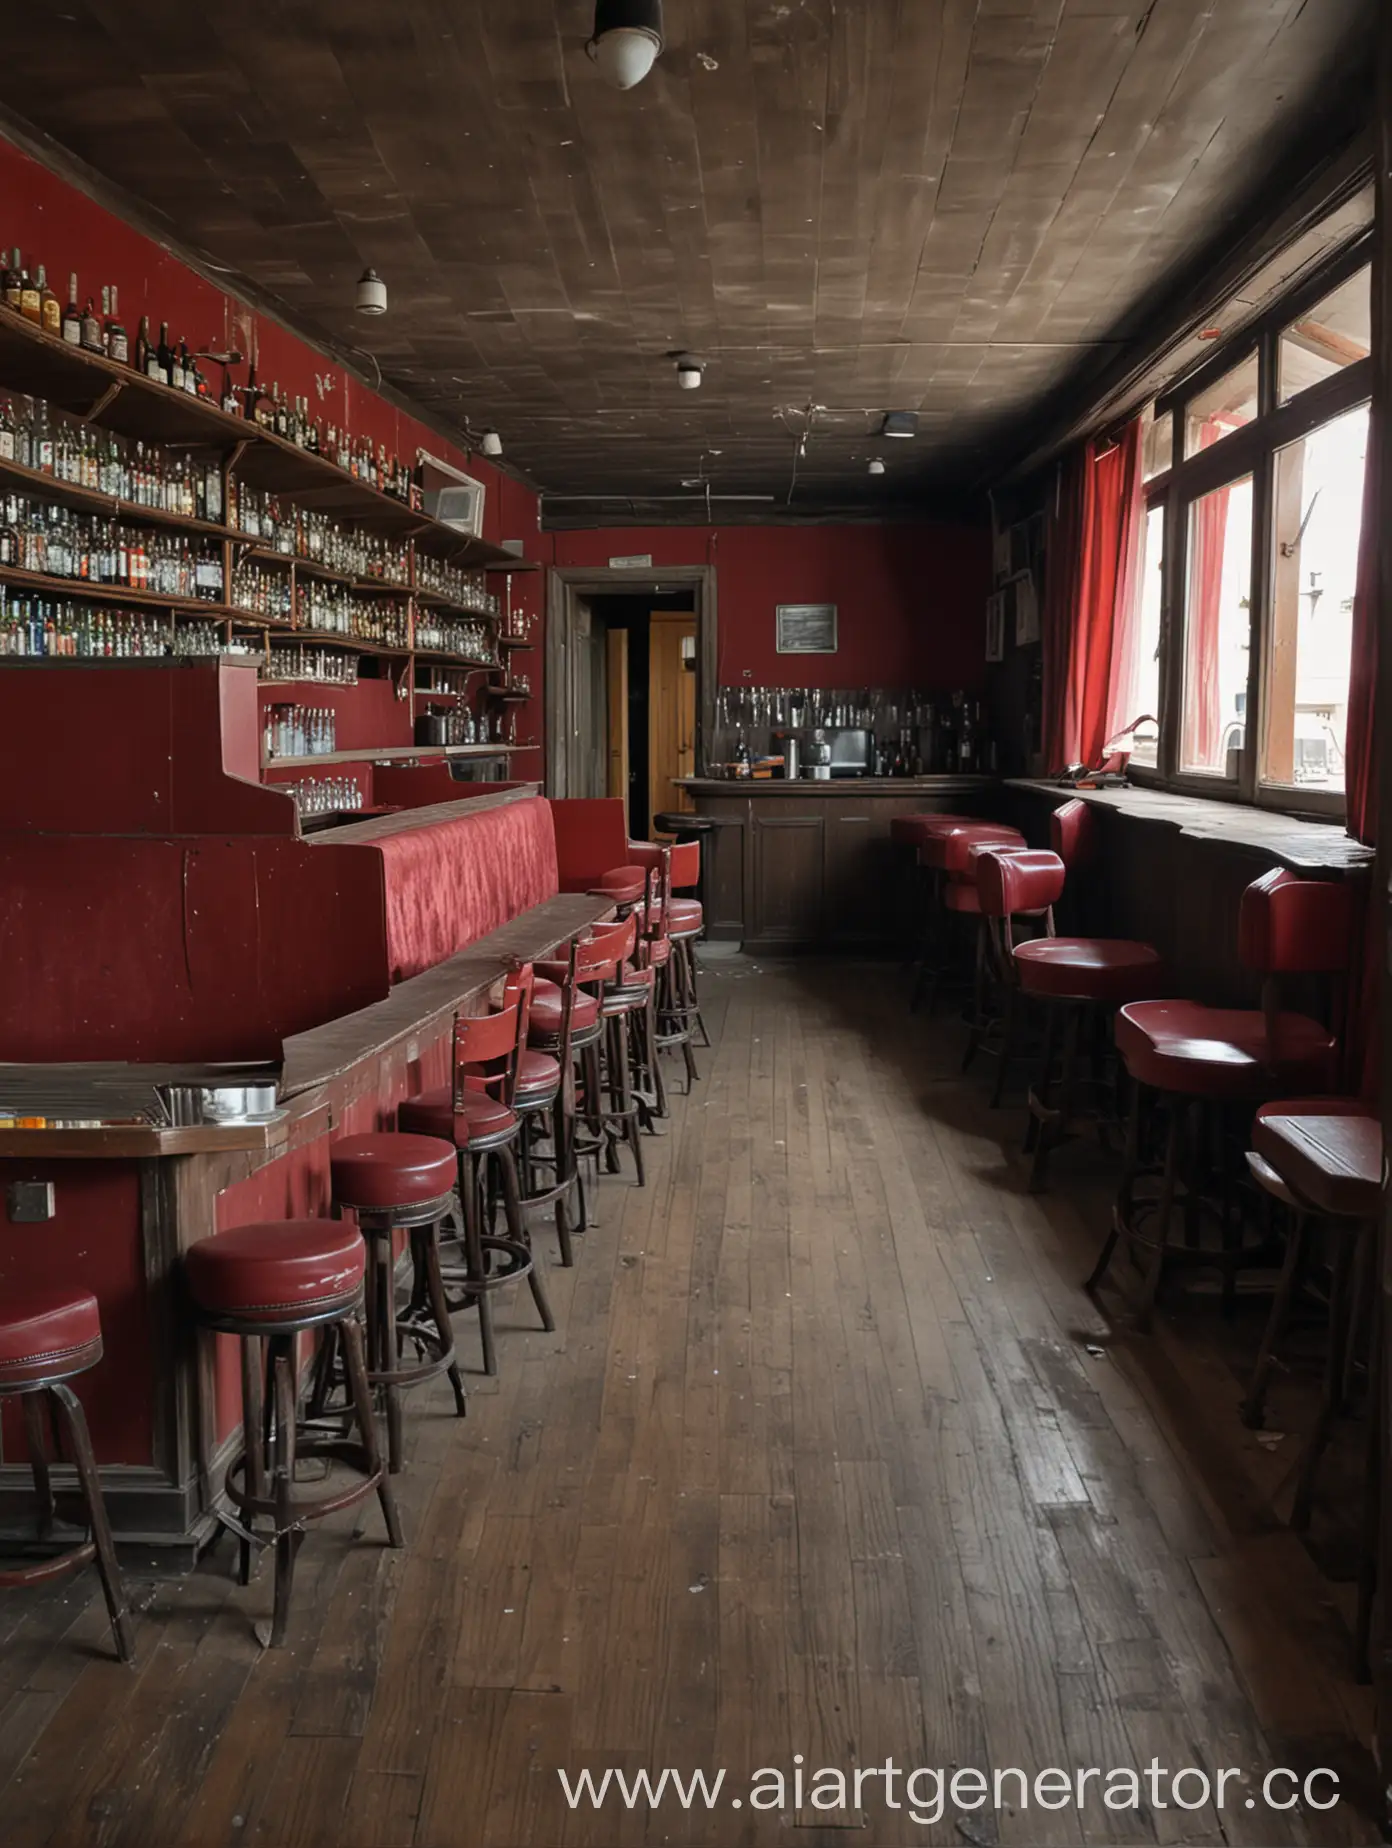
column 72, row 316
column 164, row 357
column 117, row 341
column 176, row 365
column 91, row 328
column 30, row 299
column 142, row 347
column 12, row 281
column 50, row 308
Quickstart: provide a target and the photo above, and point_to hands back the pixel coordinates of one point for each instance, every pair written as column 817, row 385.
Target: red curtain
column 1090, row 607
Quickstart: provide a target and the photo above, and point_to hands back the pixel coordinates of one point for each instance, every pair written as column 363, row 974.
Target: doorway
column 630, row 684
column 644, row 646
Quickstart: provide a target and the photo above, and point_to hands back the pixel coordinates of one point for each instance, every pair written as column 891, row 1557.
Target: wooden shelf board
column 393, row 753
column 92, row 500
column 119, row 595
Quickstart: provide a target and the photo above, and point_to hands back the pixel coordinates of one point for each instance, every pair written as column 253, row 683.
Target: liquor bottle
column 164, row 357
column 30, row 299
column 50, row 308
column 72, row 316
column 12, row 281
column 176, row 364
column 142, row 347
column 91, row 328
column 282, row 415
column 117, row 340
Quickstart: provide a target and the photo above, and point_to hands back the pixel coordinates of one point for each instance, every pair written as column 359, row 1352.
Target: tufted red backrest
column 952, row 851
column 1028, row 879
column 1073, row 833
column 1293, row 926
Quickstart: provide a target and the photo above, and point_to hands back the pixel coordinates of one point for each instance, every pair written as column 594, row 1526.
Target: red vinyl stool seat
column 1223, row 1053
column 47, row 1337
column 268, row 1284
column 622, row 885
column 1188, row 1061
column 945, row 854
column 399, row 1183
column 548, row 1002
column 474, row 1121
column 379, row 1172
column 1107, row 970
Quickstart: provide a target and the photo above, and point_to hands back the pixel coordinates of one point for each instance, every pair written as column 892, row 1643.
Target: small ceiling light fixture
column 689, row 371
column 900, row 424
column 492, row 444
column 371, row 297
column 876, row 466
column 627, row 40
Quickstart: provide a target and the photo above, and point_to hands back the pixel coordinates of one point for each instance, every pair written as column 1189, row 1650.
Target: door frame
column 565, row 586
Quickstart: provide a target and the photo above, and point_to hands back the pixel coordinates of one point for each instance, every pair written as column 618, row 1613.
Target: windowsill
column 1304, row 846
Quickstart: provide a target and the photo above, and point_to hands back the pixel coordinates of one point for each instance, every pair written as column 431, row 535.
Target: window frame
column 1249, row 451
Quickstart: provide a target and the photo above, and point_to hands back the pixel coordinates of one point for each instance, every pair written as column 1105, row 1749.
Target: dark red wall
column 911, row 600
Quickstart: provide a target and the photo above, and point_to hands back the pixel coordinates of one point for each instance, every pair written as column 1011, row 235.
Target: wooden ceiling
column 843, row 206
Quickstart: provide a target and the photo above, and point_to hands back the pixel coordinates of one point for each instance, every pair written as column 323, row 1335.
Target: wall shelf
column 121, row 595
column 396, row 753
column 91, row 500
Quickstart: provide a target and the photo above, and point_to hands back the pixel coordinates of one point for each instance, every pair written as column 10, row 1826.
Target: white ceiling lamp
column 371, row 297
column 876, row 466
column 902, row 424
column 689, row 371
column 627, row 40
column 492, row 444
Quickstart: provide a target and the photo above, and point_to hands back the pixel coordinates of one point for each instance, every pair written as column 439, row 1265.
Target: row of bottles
column 292, row 420
column 37, row 536
column 38, row 438
column 465, row 726
column 470, row 641
column 299, row 731
column 262, row 593
column 332, row 610
column 281, row 526
column 56, row 627
column 324, row 795
column 468, row 589
column 326, row 666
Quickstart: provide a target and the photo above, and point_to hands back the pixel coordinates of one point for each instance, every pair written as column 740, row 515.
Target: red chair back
column 591, row 839
column 1027, row 879
column 1293, row 926
column 1073, row 833
column 488, row 1040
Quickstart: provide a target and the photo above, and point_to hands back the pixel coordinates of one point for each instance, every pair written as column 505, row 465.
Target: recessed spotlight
column 371, row 297
column 492, row 444
column 900, row 423
column 689, row 372
column 627, row 40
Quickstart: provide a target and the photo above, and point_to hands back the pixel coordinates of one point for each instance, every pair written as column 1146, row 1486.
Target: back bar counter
column 165, row 927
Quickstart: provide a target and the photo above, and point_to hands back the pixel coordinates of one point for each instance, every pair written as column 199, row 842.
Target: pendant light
column 492, row 444
column 627, row 40
column 371, row 296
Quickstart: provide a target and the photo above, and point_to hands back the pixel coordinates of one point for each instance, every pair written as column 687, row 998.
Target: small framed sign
column 806, row 628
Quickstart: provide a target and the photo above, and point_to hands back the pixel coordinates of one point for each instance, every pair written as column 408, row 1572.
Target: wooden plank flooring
column 829, row 1455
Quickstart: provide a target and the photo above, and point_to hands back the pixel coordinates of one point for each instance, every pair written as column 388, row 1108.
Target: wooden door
column 671, row 709
column 616, row 646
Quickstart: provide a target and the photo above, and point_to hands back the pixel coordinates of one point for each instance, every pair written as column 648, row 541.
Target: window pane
column 1147, row 738
column 1318, row 518
column 1222, row 407
column 1335, row 333
column 1157, row 443
column 1217, row 629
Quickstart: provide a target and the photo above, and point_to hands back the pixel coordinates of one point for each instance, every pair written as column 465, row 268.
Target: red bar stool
column 1079, row 981
column 484, row 1130
column 946, row 856
column 544, row 1099
column 268, row 1284
column 565, row 1023
column 685, row 921
column 1190, row 1059
column 393, row 1183
column 1324, row 1156
column 48, row 1337
column 611, row 1109
column 669, row 1024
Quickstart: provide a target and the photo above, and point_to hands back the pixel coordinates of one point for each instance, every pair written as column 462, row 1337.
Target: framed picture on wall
column 995, row 626
column 806, row 628
column 1026, row 609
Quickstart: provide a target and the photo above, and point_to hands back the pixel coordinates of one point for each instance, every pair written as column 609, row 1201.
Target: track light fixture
column 902, row 424
column 627, row 40
column 690, row 371
column 371, row 295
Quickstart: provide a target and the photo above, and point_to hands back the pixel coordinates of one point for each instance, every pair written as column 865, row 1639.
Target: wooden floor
column 829, row 1454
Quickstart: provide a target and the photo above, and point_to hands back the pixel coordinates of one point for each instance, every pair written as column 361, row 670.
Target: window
column 1217, row 630
column 1150, row 601
column 1228, row 404
column 1248, row 556
column 1318, row 508
column 1335, row 333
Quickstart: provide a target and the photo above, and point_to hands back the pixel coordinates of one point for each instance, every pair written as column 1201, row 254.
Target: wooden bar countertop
column 835, row 786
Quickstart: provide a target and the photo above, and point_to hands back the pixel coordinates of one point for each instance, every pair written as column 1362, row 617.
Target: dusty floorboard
column 829, row 1455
